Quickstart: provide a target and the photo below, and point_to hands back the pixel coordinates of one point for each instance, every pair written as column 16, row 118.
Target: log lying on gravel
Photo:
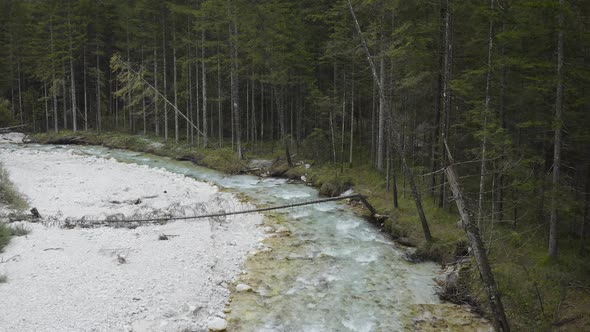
column 68, row 140
column 35, row 216
column 6, row 130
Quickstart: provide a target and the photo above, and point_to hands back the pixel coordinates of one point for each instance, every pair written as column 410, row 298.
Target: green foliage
column 6, row 115
column 5, row 235
column 316, row 146
column 9, row 196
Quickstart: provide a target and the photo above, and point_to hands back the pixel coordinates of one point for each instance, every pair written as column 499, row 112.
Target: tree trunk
column 53, row 82
column 485, row 112
column 395, row 124
column 175, row 82
column 197, row 93
column 143, row 111
column 85, row 93
column 64, row 92
column 558, row 123
column 46, row 107
column 436, row 143
column 351, row 118
column 381, row 119
column 262, row 111
column 343, row 128
column 165, row 80
column 373, row 111
column 204, row 88
column 219, row 107
column 235, row 87
column 156, row 113
column 72, row 77
column 98, row 96
column 477, row 248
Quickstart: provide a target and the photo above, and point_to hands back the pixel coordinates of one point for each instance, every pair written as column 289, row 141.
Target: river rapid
column 326, row 269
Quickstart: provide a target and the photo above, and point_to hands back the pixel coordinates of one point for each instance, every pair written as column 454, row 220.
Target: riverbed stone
column 217, row 324
column 243, row 288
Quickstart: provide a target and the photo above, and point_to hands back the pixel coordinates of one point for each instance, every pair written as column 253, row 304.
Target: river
column 333, row 272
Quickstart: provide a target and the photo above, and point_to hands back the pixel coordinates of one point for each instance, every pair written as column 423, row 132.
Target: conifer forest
column 467, row 118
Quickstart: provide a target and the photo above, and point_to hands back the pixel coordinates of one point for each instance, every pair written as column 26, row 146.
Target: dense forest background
column 506, row 82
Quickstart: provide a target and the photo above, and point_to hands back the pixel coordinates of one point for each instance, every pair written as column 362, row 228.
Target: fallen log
column 67, row 140
column 477, row 247
column 9, row 129
column 219, row 214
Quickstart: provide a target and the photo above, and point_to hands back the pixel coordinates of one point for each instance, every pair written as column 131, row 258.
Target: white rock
column 217, row 324
column 243, row 288
column 282, row 229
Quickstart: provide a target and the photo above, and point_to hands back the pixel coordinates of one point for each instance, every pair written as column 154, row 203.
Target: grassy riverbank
column 10, row 200
column 538, row 294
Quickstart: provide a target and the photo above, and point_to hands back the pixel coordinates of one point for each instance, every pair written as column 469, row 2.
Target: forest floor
column 538, row 293
column 118, row 279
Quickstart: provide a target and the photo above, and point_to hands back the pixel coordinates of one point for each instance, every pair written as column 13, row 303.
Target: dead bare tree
column 477, row 246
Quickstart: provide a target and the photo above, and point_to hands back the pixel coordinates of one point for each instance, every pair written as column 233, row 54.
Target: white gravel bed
column 118, row 279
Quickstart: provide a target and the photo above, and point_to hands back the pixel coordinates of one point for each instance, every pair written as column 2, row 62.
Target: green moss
column 5, row 235
column 9, row 196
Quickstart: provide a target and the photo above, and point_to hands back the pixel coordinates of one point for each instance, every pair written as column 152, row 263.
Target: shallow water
column 335, row 272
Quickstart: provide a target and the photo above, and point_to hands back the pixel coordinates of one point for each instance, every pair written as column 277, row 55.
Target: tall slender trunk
column 189, row 78
column 165, row 92
column 64, row 92
column 381, row 118
column 156, row 96
column 20, row 95
column 175, row 83
column 436, row 143
column 46, row 106
column 373, row 111
column 477, row 248
column 343, row 127
column 235, row 81
column 484, row 114
column 351, row 118
column 129, row 94
column 53, row 82
column 143, row 111
column 219, row 107
column 261, row 111
column 85, row 93
column 394, row 121
column 247, row 111
column 447, row 74
column 98, row 96
column 253, row 125
column 72, row 77
column 553, row 232
column 116, row 104
column 204, row 88
column 198, row 115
